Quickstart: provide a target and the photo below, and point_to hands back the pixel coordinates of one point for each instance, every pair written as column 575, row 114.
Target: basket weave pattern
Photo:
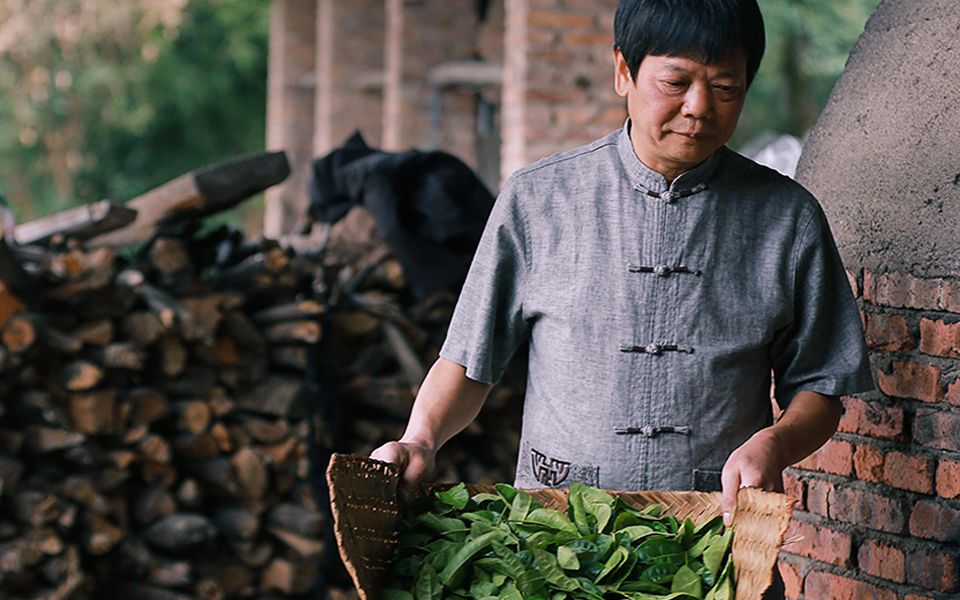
column 363, row 495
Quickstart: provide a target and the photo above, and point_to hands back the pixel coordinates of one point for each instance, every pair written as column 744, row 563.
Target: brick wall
column 558, row 78
column 350, row 52
column 879, row 504
column 420, row 35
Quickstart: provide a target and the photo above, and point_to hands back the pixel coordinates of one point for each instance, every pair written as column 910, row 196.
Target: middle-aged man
column 660, row 278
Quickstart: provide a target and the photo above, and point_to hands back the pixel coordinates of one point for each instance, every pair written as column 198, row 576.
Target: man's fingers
column 730, row 479
column 392, row 452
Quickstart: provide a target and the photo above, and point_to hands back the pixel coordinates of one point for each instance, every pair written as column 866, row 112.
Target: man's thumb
column 730, row 479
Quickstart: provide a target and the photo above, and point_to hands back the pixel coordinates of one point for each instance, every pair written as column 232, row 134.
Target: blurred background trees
column 106, row 99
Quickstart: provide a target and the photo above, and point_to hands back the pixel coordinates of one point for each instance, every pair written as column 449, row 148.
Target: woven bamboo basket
column 363, row 497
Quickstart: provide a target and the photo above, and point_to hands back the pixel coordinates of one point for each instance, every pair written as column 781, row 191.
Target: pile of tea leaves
column 505, row 545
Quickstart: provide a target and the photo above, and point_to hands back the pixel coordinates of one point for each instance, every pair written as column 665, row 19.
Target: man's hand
column 758, row 463
column 809, row 421
column 415, row 461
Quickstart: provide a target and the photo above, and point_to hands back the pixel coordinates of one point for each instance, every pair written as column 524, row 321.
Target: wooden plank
column 197, row 194
column 82, row 222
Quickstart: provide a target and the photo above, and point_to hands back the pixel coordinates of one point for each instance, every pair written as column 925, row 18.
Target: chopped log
column 237, row 523
column 123, row 458
column 216, row 472
column 265, row 431
column 251, row 472
column 168, row 310
column 225, row 352
column 173, row 356
column 188, row 494
column 297, row 519
column 95, row 333
column 19, row 333
column 252, row 553
column 48, row 439
column 207, row 312
column 143, row 327
column 295, row 311
column 188, row 445
column 9, row 304
column 64, row 569
column 82, row 222
column 155, row 448
column 153, row 504
column 282, row 454
column 305, row 332
column 35, row 508
column 220, row 403
column 97, row 272
column 306, row 548
column 171, row 574
column 83, row 490
column 201, row 192
column 287, row 577
column 94, row 413
column 292, row 357
column 221, row 436
column 122, row 355
column 180, row 531
column 81, row 375
column 354, row 324
column 243, row 331
column 408, row 358
column 101, row 535
column 148, row 404
column 275, row 396
column 147, row 592
column 193, row 416
column 169, row 256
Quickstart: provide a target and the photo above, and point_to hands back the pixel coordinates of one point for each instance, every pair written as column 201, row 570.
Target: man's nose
column 698, row 102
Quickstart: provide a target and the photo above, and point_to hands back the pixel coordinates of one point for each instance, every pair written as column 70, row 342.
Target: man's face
column 681, row 110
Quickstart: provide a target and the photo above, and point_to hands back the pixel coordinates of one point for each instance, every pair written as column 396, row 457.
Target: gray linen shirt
column 655, row 313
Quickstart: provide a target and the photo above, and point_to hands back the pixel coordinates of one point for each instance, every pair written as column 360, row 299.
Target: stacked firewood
column 386, row 340
column 169, row 393
column 154, row 439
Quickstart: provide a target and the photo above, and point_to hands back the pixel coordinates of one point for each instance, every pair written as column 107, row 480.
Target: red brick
column 910, row 379
column 936, row 429
column 917, row 597
column 854, row 284
column 867, row 509
column 950, row 295
column 818, row 497
column 827, row 586
column 888, row 332
column 819, row 543
column 794, row 487
column 914, row 473
column 836, row 456
column 933, row 521
column 881, row 560
column 872, row 419
column 868, row 463
column 948, row 479
column 934, row 569
column 899, row 290
column 792, row 580
column 953, row 393
column 938, row 338
column 550, row 19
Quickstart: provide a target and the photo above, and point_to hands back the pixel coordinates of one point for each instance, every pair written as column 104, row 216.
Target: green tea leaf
column 567, row 558
column 713, row 555
column 687, row 581
column 459, row 559
column 428, row 585
column 457, row 496
column 548, row 566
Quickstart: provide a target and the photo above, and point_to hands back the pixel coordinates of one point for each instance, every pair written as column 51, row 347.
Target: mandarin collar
column 644, row 178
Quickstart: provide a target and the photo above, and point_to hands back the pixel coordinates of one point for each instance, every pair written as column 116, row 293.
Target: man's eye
column 726, row 89
column 676, row 85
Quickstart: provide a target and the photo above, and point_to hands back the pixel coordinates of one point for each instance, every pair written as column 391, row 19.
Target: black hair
column 704, row 30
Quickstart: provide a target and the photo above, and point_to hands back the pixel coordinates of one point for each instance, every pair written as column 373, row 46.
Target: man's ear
column 622, row 81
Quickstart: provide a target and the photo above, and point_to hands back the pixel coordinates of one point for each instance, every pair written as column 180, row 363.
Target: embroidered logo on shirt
column 548, row 471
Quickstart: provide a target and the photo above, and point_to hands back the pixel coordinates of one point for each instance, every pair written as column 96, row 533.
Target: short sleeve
column 822, row 349
column 488, row 323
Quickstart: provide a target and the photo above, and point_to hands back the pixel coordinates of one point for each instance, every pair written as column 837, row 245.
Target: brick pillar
column 422, row 34
column 290, row 104
column 350, row 37
column 558, row 78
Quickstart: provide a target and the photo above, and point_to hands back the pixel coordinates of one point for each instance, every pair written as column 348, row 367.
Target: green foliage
column 808, row 42
column 506, row 545
column 107, row 99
